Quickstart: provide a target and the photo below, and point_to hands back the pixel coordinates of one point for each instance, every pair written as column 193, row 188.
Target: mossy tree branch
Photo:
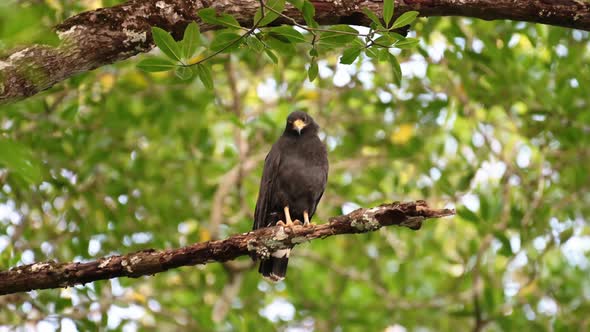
column 259, row 243
column 107, row 35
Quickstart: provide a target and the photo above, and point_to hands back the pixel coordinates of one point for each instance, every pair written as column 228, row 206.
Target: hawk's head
column 300, row 123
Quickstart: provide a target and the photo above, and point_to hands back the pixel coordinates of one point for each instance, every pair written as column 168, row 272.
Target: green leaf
column 166, row 43
column 350, row 54
column 407, row 43
column 191, row 40
column 279, row 44
column 385, row 40
column 405, row 19
column 461, row 313
column 313, row 70
column 465, row 180
column 506, row 249
column 339, row 35
column 373, row 17
column 309, row 14
column 489, row 299
column 467, row 215
column 277, row 6
column 70, row 113
column 156, row 64
column 19, row 159
column 209, row 15
column 566, row 235
column 372, row 52
column 297, row 3
column 387, row 11
column 271, row 55
column 282, row 40
column 287, row 33
column 205, row 75
column 254, row 43
column 485, row 207
column 225, row 40
column 184, row 73
column 394, row 35
column 383, row 54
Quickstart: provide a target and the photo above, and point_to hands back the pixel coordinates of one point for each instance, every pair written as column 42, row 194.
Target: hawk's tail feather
column 275, row 268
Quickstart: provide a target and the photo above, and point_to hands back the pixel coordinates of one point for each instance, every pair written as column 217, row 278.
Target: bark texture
column 103, row 36
column 259, row 243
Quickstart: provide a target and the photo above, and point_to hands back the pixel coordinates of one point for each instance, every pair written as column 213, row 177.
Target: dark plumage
column 293, row 181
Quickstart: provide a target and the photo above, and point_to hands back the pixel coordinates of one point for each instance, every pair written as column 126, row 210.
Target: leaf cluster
column 376, row 43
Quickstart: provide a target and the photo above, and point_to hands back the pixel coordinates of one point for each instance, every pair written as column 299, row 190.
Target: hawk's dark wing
column 325, row 170
column 267, row 187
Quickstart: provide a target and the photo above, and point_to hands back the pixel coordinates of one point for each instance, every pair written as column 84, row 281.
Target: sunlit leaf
column 191, row 40
column 166, row 43
column 505, row 250
column 225, row 41
column 271, row 55
column 309, row 14
column 373, row 52
column 280, row 44
column 566, row 235
column 184, row 73
column 407, row 43
column 405, row 19
column 255, row 43
column 18, row 159
column 385, row 40
column 156, row 64
column 205, row 75
column 402, row 134
column 271, row 12
column 297, row 3
column 388, row 11
column 468, row 215
column 350, row 54
column 210, row 15
column 288, row 33
column 339, row 35
column 312, row 72
column 395, row 69
column 373, row 17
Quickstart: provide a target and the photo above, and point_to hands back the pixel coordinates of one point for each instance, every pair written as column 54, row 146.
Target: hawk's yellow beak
column 299, row 125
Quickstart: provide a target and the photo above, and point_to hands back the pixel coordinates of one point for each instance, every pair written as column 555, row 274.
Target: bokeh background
column 491, row 118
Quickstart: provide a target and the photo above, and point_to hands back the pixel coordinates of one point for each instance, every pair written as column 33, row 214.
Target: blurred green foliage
column 490, row 117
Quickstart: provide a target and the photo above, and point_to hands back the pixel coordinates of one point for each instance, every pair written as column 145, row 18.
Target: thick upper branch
column 259, row 243
column 103, row 36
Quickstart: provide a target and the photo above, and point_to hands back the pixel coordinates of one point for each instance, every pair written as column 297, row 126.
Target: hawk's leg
column 288, row 217
column 306, row 219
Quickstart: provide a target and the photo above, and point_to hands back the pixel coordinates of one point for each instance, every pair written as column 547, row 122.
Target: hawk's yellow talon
column 305, row 218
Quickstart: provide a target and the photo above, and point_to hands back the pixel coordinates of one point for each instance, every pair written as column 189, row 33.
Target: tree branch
column 259, row 243
column 107, row 35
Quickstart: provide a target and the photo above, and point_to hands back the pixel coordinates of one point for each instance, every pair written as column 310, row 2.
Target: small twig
column 262, row 5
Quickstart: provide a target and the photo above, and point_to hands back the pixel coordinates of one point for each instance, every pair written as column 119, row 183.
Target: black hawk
column 293, row 182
